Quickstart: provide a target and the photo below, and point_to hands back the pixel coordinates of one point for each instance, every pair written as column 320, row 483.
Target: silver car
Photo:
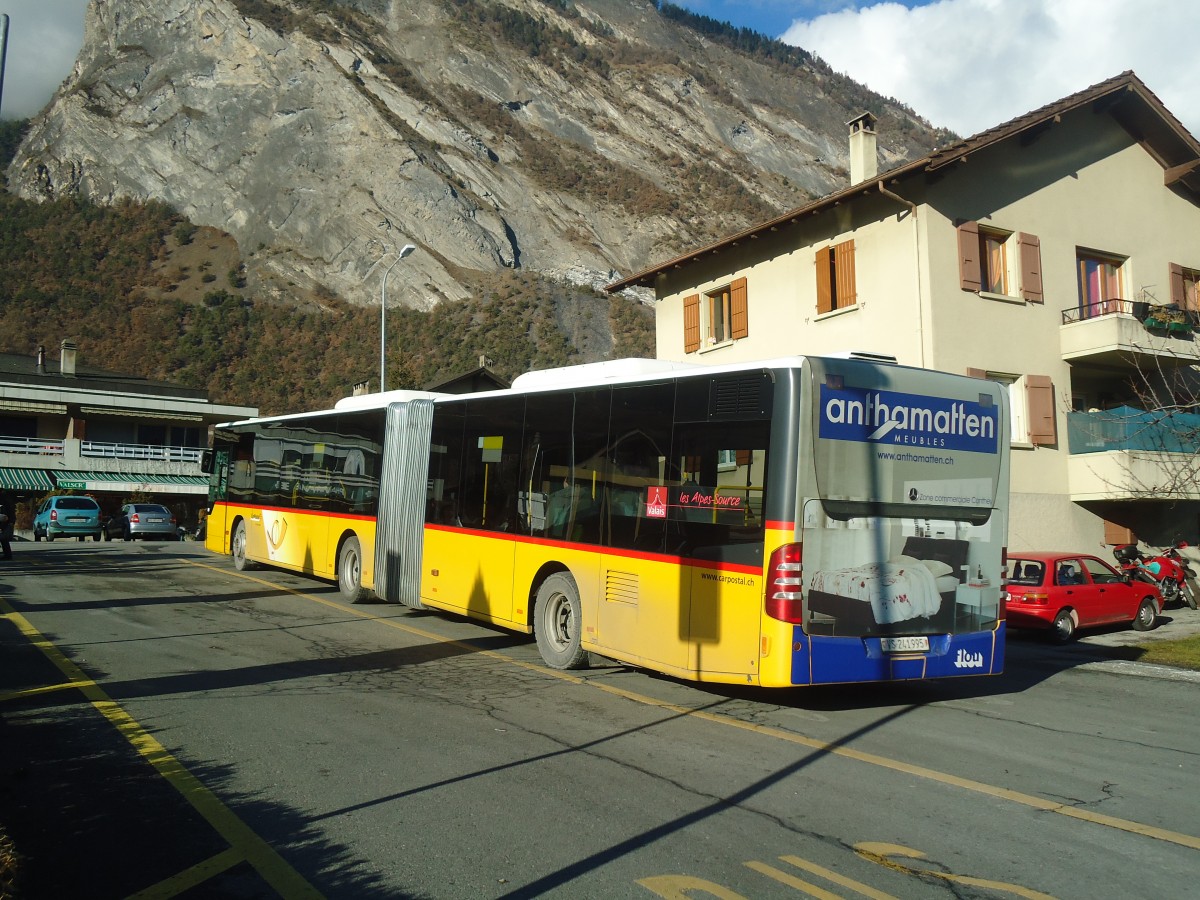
column 142, row 520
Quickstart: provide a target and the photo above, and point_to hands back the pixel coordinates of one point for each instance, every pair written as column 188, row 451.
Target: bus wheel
column 349, row 571
column 558, row 622
column 238, row 548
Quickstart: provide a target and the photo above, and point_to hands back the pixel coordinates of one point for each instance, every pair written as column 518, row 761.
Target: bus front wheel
column 558, row 622
column 350, row 571
column 238, row 548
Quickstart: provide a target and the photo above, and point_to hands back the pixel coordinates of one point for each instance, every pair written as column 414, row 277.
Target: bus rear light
column 785, row 584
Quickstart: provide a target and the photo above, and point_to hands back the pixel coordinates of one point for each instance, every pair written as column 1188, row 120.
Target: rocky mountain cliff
column 577, row 139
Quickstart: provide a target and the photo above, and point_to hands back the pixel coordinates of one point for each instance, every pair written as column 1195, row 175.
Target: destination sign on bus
column 914, row 420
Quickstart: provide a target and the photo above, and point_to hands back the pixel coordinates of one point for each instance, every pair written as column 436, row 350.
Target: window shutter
column 977, row 373
column 743, row 457
column 691, row 323
column 1039, row 399
column 843, row 270
column 1118, row 534
column 1031, row 267
column 1177, row 296
column 739, row 320
column 824, row 285
column 969, row 272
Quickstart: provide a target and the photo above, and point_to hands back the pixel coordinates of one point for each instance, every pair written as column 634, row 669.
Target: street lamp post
column 404, row 251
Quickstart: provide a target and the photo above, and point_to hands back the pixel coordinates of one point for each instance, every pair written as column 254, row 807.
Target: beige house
column 1058, row 253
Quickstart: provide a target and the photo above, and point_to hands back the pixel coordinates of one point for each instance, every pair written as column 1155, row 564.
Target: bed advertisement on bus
column 903, row 528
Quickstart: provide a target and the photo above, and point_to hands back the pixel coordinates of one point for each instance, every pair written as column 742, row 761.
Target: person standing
column 7, row 521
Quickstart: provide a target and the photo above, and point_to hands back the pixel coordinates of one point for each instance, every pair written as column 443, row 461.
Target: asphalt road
column 170, row 727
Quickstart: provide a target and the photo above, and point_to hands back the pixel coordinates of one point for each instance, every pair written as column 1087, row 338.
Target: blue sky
column 962, row 64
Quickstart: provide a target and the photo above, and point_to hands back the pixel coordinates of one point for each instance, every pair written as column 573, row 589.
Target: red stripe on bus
column 740, row 568
column 780, row 526
column 304, row 512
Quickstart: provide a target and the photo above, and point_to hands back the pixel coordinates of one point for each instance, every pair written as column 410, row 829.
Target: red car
column 1067, row 591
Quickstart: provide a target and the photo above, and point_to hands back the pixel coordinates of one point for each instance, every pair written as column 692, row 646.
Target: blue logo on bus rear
column 908, row 420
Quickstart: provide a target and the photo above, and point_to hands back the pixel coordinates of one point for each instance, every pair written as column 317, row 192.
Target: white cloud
column 44, row 37
column 968, row 65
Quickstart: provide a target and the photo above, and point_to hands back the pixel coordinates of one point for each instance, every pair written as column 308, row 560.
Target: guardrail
column 140, row 451
column 31, row 446
column 1126, row 428
column 1102, row 308
column 101, row 449
column 1170, row 319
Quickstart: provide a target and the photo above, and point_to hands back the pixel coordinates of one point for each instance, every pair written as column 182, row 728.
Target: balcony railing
column 31, row 446
column 46, row 447
column 1127, row 428
column 1162, row 319
column 140, row 451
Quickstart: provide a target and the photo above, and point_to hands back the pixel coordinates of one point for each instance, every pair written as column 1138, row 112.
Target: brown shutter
column 1117, row 534
column 739, row 320
column 977, row 373
column 1177, row 285
column 744, row 456
column 824, row 285
column 969, row 272
column 1031, row 267
column 843, row 270
column 691, row 323
column 1039, row 399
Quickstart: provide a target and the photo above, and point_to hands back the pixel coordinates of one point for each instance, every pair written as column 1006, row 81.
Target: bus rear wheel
column 349, row 571
column 238, row 547
column 558, row 622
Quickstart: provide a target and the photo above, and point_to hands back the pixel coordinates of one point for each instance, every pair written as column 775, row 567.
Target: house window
column 835, row 277
column 1032, row 417
column 1100, row 290
column 718, row 307
column 993, row 261
column 1185, row 287
column 716, row 318
column 986, row 263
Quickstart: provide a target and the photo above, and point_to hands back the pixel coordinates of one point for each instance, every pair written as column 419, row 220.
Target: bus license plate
column 904, row 644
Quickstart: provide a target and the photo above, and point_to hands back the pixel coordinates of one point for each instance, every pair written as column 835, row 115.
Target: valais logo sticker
column 656, row 502
column 908, row 420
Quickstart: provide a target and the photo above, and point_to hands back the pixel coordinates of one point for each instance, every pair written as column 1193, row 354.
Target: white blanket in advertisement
column 897, row 590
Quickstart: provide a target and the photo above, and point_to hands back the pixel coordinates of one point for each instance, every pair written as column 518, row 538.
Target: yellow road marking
column 1161, row 834
column 881, row 855
column 792, row 881
column 830, row 875
column 686, row 887
column 244, row 842
column 190, row 878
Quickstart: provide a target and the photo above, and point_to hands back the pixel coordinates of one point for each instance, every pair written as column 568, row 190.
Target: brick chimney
column 67, row 365
column 864, row 158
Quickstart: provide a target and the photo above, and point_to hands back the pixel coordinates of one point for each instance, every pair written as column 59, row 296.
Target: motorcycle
column 1171, row 572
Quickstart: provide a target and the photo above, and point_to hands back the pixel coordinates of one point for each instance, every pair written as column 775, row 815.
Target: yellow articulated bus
column 789, row 522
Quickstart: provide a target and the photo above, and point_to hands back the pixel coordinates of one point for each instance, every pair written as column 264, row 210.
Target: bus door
column 719, row 515
column 216, row 523
column 643, row 596
column 474, row 462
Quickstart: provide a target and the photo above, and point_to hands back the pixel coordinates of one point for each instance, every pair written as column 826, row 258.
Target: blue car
column 67, row 516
